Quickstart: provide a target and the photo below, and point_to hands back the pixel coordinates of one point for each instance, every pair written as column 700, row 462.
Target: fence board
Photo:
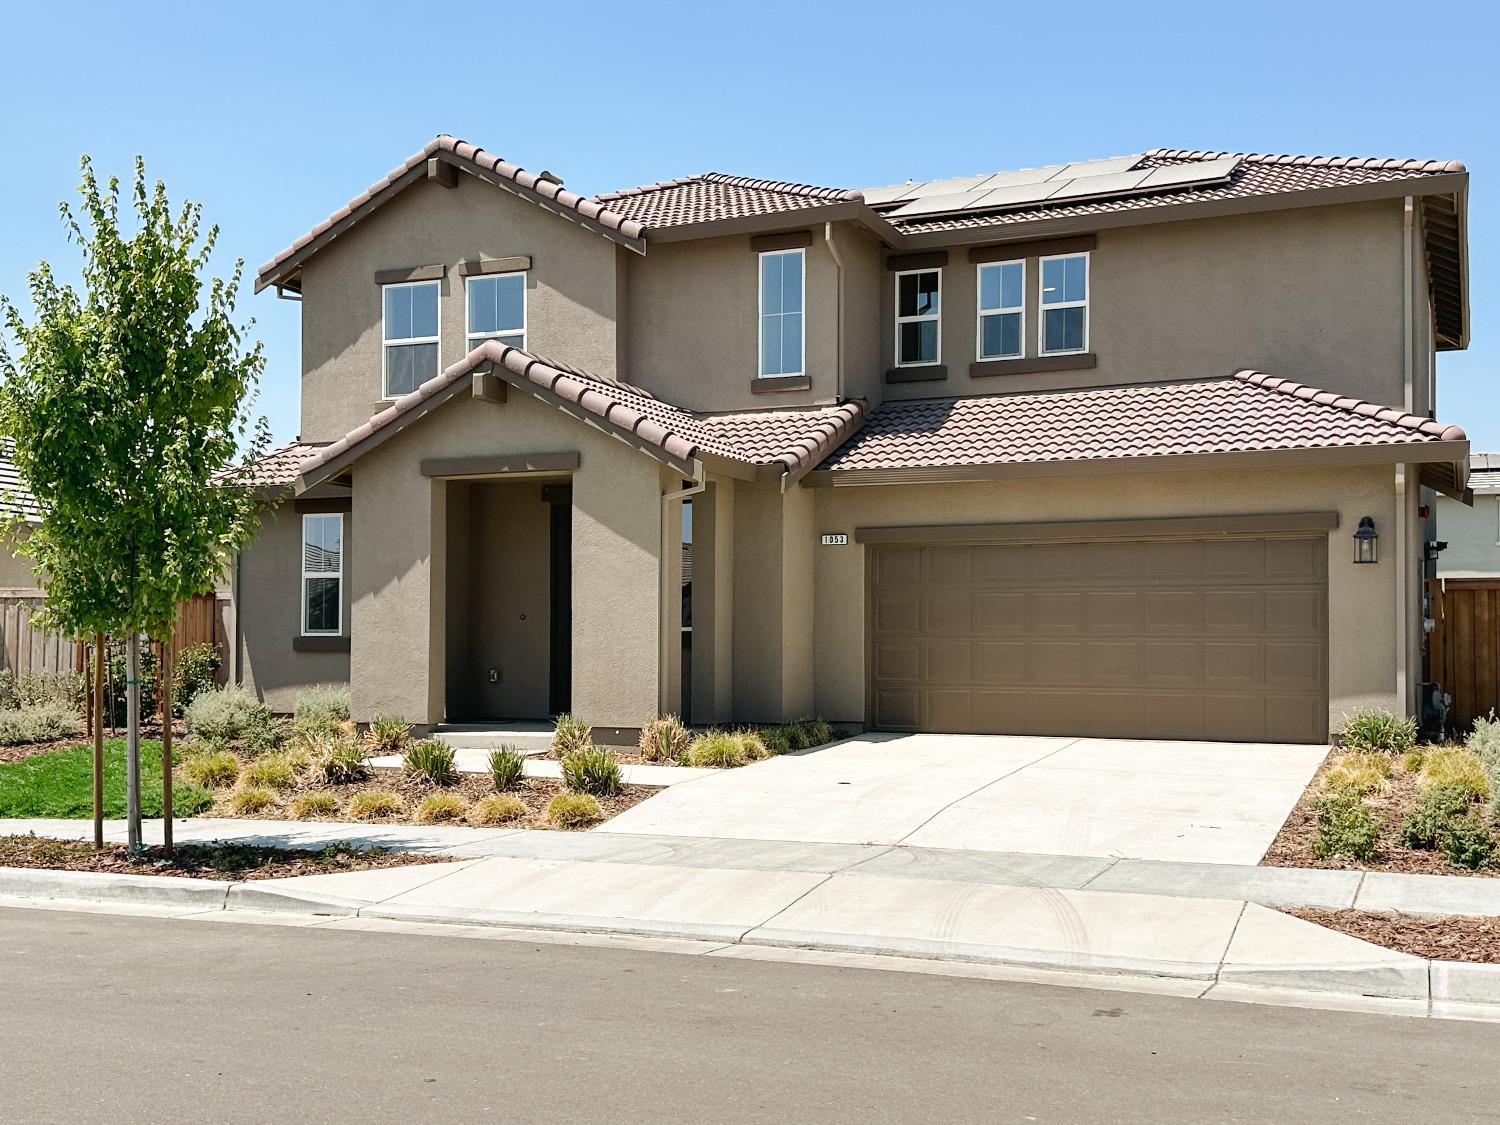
column 1465, row 648
column 25, row 648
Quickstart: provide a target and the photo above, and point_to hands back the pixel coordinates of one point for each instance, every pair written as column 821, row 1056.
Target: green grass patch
column 60, row 783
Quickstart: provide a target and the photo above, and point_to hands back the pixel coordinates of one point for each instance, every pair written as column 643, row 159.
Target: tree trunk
column 133, row 739
column 97, row 710
column 165, row 695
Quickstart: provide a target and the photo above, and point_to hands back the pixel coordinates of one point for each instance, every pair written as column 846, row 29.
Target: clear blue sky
column 273, row 117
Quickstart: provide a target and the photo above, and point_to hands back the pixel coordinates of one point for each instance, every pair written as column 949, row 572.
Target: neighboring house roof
column 1247, row 413
column 277, row 469
column 1484, row 473
column 16, row 500
column 543, row 189
column 783, row 443
column 713, row 197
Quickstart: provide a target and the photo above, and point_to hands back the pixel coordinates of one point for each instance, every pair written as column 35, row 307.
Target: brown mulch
column 1293, row 844
column 534, row 793
column 200, row 861
column 1449, row 938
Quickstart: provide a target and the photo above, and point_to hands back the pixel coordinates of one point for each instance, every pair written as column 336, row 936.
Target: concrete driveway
column 1211, row 802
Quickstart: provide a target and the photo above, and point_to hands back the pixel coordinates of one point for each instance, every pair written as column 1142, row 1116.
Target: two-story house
column 1132, row 447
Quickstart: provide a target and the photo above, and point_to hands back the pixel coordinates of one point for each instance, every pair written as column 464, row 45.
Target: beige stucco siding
column 1473, row 537
column 1361, row 599
column 16, row 570
column 570, row 296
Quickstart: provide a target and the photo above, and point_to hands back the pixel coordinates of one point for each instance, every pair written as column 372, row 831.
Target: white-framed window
column 410, row 321
column 781, row 313
column 497, row 308
column 1065, row 304
column 1002, row 312
column 322, row 574
column 919, row 332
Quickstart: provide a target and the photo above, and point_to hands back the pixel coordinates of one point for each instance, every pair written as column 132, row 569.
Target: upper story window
column 918, row 332
column 322, row 573
column 497, row 309
column 1065, row 304
column 1002, row 293
column 781, row 313
column 411, row 335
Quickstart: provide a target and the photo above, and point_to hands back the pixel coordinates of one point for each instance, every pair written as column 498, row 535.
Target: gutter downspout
column 838, row 343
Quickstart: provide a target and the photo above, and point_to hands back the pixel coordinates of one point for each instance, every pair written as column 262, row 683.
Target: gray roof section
column 15, row 498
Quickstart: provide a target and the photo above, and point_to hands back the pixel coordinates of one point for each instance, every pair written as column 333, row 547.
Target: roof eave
column 841, row 211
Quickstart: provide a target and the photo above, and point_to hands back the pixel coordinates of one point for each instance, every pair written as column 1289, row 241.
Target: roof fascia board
column 489, row 177
column 780, row 220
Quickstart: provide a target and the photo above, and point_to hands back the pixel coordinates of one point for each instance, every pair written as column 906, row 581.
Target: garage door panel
column 1234, row 560
column 948, row 661
column 898, row 566
column 1234, row 611
column 1052, row 564
column 949, row 712
column 1171, row 664
column 944, row 567
column 1294, row 611
column 1001, row 711
column 1114, row 611
column 1054, row 613
column 1232, row 717
column 1112, row 662
column 948, row 613
column 999, row 565
column 1296, row 560
column 1233, row 664
column 1289, row 717
column 999, row 613
column 897, row 660
column 1295, row 665
column 899, row 709
column 1054, row 662
column 999, row 662
column 1173, row 611
column 1173, row 560
column 898, row 612
column 1174, row 715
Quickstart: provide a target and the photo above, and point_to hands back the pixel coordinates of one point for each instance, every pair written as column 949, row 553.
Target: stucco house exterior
column 1472, row 530
column 1080, row 449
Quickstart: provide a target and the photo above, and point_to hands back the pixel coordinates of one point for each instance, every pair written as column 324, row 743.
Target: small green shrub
column 750, row 742
column 437, row 807
column 271, row 771
column 664, row 739
column 1436, row 808
column 114, row 686
column 318, row 727
column 813, row 732
column 1381, row 731
column 591, row 769
column 718, row 750
column 780, row 740
column 227, row 713
column 65, row 689
column 1456, row 768
column 388, row 735
column 9, row 699
column 215, row 769
column 497, row 808
column 375, row 804
column 263, row 733
column 193, row 673
column 573, row 810
column 1345, row 828
column 1467, row 842
column 325, row 701
column 430, row 760
column 1362, row 771
column 507, row 767
column 339, row 761
column 314, row 805
column 569, row 734
column 1484, row 737
column 41, row 722
column 250, row 799
column 1412, row 760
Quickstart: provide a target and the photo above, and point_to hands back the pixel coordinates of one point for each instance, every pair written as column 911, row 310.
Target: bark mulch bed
column 1447, row 938
column 534, row 793
column 200, row 861
column 1293, row 844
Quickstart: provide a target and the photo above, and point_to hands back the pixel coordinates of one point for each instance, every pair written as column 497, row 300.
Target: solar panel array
column 1085, row 179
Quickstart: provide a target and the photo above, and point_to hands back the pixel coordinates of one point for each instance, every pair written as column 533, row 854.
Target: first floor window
column 322, row 573
column 411, row 335
column 497, row 309
column 1065, row 304
column 781, row 313
column 1002, row 286
column 918, row 305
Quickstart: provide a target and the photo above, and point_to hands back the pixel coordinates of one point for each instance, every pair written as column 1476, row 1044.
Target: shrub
column 388, row 735
column 664, row 740
column 570, row 734
column 263, row 733
column 497, row 808
column 1382, row 731
column 1484, row 738
column 718, row 749
column 311, row 806
column 66, row 689
column 1362, row 771
column 573, row 810
column 273, row 771
column 1456, row 768
column 507, row 767
column 436, row 807
column 193, row 673
column 780, row 740
column 1436, row 808
column 339, row 761
column 1468, row 842
column 114, row 687
column 228, row 713
column 591, row 769
column 375, row 804
column 318, row 727
column 812, row 732
column 9, row 699
column 250, row 799
column 43, row 722
column 1412, row 760
column 325, row 701
column 430, row 760
column 1346, row 828
column 750, row 742
column 215, row 769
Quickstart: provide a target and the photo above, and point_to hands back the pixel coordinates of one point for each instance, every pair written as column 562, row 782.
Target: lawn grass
column 59, row 783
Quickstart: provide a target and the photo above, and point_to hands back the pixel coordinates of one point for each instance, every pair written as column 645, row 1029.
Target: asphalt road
column 122, row 1019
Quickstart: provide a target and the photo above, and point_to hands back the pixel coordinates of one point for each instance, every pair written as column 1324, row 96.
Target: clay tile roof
column 276, row 469
column 16, row 500
column 1249, row 412
column 711, row 196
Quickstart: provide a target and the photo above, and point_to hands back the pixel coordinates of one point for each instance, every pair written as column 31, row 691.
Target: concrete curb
column 104, row 887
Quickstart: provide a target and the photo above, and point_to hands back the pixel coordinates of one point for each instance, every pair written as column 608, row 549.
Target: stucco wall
column 15, row 570
column 570, row 295
column 1361, row 599
column 1473, row 536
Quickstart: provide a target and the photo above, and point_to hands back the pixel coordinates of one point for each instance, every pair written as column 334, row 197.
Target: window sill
column 776, row 384
column 919, row 373
column 1075, row 361
column 321, row 642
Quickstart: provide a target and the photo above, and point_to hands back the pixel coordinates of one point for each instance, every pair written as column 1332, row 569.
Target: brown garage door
column 1220, row 639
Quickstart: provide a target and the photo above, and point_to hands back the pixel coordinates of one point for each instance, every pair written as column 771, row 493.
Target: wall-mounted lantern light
column 1365, row 541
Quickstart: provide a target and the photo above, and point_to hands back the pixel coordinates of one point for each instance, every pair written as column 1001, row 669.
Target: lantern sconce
column 1365, row 541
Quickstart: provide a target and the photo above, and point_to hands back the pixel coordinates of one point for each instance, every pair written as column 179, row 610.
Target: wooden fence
column 26, row 648
column 1464, row 647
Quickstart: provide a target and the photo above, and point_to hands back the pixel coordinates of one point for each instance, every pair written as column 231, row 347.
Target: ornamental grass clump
column 573, row 810
column 664, row 740
column 251, row 799
column 1381, row 731
column 497, row 808
column 430, row 760
column 1363, row 772
column 388, row 735
column 213, row 769
column 437, row 807
column 726, row 749
column 1346, row 829
column 591, row 769
column 812, row 732
column 507, row 767
column 1454, row 767
column 375, row 804
column 569, row 734
column 338, row 761
column 315, row 805
column 271, row 771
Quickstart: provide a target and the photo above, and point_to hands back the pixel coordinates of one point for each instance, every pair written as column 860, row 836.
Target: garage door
column 1223, row 638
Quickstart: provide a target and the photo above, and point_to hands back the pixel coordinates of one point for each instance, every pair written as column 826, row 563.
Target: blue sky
column 274, row 117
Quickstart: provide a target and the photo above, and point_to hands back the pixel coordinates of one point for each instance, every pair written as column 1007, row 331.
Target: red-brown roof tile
column 276, row 469
column 711, row 196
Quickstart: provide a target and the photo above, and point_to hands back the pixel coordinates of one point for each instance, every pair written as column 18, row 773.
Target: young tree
column 123, row 401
